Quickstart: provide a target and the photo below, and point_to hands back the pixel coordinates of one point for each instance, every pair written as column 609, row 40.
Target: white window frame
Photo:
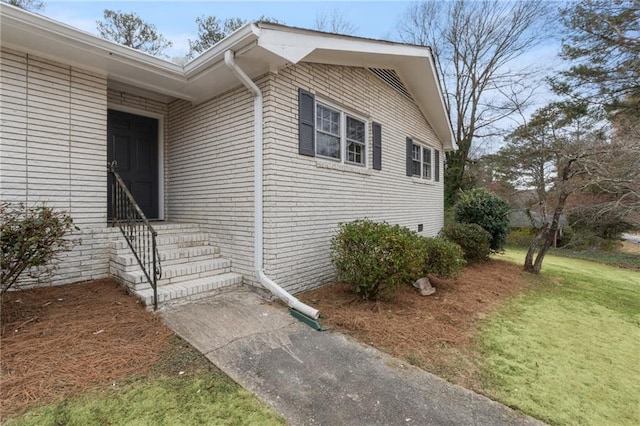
column 422, row 162
column 343, row 134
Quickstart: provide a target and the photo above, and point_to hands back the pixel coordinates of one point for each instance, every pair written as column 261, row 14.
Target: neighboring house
column 325, row 129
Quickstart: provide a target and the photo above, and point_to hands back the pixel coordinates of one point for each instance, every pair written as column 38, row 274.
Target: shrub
column 442, row 257
column 588, row 240
column 30, row 238
column 608, row 225
column 521, row 237
column 473, row 239
column 488, row 210
column 374, row 258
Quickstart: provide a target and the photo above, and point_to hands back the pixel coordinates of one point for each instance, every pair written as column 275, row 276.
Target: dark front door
column 133, row 143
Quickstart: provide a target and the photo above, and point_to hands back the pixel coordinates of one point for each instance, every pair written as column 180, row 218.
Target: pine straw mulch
column 434, row 332
column 62, row 341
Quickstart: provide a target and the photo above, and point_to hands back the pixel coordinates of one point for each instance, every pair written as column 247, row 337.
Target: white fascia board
column 35, row 34
column 422, row 81
column 242, row 38
column 205, row 76
column 199, row 80
column 35, row 28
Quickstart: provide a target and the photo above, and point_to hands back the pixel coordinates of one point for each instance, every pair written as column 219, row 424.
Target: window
column 421, row 160
column 426, row 163
column 355, row 141
column 327, row 131
column 340, row 136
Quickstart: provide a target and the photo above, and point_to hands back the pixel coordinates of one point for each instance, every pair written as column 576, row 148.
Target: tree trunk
column 537, row 266
column 528, row 260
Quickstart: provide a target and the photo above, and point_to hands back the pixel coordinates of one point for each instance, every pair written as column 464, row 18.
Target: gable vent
column 391, row 78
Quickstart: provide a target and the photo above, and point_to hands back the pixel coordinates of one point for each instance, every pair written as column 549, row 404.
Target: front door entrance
column 133, row 144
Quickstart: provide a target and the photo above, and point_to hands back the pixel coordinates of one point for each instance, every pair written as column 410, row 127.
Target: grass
column 207, row 399
column 567, row 352
column 182, row 389
column 614, row 258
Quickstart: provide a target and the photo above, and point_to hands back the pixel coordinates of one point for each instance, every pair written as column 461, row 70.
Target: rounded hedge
column 488, row 210
column 473, row 239
column 375, row 257
column 442, row 258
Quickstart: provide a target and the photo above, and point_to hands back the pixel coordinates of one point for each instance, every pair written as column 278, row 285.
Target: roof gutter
column 258, row 259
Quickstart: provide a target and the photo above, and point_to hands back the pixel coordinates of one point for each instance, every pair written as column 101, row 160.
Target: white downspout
column 274, row 288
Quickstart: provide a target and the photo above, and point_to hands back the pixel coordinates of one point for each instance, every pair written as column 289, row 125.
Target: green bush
column 521, row 237
column 588, row 240
column 488, row 210
column 375, row 258
column 442, row 257
column 474, row 240
column 607, row 226
column 30, row 238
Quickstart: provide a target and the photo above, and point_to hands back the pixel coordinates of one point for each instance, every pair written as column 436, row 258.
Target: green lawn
column 183, row 389
column 205, row 400
column 568, row 352
column 615, row 258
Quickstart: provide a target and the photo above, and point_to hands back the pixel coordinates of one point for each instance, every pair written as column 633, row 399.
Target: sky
column 175, row 19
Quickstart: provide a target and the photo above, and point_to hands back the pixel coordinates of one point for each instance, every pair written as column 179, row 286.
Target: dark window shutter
column 377, row 146
column 436, row 167
column 306, row 123
column 409, row 157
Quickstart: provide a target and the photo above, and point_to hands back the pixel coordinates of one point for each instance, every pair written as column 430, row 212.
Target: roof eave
column 259, row 48
column 409, row 61
column 25, row 31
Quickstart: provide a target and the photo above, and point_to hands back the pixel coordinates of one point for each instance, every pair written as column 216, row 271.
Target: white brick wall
column 209, row 159
column 53, row 149
column 305, row 198
column 209, row 162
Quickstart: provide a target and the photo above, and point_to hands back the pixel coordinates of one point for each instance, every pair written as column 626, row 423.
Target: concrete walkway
column 323, row 378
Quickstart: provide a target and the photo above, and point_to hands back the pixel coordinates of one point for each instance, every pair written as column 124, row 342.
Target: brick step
column 127, row 262
column 189, row 290
column 176, row 256
column 170, row 240
column 176, row 273
column 166, row 227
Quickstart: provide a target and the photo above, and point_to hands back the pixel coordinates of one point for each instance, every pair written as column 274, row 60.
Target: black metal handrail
column 137, row 230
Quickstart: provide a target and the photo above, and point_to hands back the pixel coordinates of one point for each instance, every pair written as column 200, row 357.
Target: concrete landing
column 323, row 378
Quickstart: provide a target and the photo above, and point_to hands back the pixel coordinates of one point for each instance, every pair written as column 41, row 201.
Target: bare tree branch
column 334, row 22
column 475, row 44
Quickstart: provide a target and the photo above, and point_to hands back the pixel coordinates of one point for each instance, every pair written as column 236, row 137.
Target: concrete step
column 176, row 273
column 125, row 260
column 189, row 290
